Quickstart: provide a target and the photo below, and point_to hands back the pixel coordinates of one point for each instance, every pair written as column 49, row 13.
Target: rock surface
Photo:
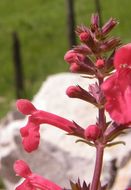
column 59, row 158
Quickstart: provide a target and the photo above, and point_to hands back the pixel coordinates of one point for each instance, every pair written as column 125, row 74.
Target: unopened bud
column 72, row 57
column 78, row 92
column 82, row 49
column 73, row 91
column 100, row 63
column 92, row 132
column 25, row 106
column 109, row 26
column 84, row 36
column 110, row 44
column 81, row 68
column 94, row 22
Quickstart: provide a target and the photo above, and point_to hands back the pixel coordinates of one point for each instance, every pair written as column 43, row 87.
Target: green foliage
column 41, row 26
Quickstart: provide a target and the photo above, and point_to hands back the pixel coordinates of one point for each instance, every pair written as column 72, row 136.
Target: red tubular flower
column 32, row 181
column 38, row 116
column 30, row 133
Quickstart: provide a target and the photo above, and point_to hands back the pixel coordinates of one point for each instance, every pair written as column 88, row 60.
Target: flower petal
column 123, row 56
column 31, row 136
column 22, row 169
column 25, row 186
column 117, row 90
column 42, row 183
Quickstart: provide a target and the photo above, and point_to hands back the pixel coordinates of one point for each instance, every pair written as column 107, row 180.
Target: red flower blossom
column 117, row 88
column 30, row 132
column 123, row 57
column 32, row 181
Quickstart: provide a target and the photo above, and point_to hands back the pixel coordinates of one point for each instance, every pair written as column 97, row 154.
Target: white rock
column 58, row 158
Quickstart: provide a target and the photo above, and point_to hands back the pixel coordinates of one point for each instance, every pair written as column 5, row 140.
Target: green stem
column 98, row 167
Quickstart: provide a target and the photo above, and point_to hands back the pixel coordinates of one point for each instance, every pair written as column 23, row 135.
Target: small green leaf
column 115, row 143
column 85, row 141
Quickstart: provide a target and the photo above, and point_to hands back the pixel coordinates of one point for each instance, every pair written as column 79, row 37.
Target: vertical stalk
column 98, row 167
column 101, row 112
column 99, row 149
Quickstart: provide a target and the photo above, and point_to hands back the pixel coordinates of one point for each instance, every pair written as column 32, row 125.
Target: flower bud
column 70, row 56
column 73, row 91
column 73, row 57
column 109, row 26
column 25, row 106
column 84, row 36
column 78, row 92
column 100, row 63
column 92, row 132
column 82, row 49
column 81, row 68
column 94, row 22
column 110, row 44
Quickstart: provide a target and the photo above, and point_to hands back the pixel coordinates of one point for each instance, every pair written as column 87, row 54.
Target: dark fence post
column 19, row 78
column 98, row 10
column 71, row 22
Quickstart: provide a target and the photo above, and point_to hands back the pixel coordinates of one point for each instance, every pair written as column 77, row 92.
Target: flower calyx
column 78, row 186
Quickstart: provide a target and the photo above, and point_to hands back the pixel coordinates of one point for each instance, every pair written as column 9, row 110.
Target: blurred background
column 34, row 33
